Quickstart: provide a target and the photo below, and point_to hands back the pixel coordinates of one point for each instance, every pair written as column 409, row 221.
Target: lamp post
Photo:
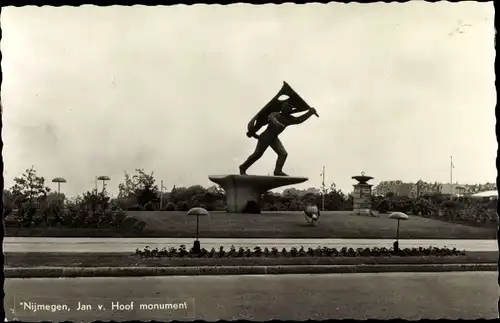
column 103, row 179
column 398, row 216
column 58, row 180
column 323, row 190
column 197, row 211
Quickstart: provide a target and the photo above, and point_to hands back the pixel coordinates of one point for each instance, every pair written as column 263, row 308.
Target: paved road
column 13, row 244
column 409, row 296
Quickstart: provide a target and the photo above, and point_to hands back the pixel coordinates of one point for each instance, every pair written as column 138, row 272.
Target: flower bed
column 99, row 259
column 182, row 252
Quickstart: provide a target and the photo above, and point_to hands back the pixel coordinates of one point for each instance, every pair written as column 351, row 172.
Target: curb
column 58, row 272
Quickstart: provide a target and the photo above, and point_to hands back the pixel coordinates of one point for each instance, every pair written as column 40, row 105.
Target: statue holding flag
column 277, row 115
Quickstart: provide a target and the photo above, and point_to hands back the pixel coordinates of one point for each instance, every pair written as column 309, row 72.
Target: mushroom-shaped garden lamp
column 197, row 211
column 103, row 179
column 398, row 216
column 58, row 180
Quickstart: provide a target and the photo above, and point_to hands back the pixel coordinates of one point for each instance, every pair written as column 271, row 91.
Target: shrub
column 92, row 220
column 182, row 207
column 105, row 219
column 135, row 207
column 252, row 208
column 182, row 251
column 221, row 252
column 118, row 217
column 449, row 204
column 149, row 206
column 383, row 206
column 232, row 252
column 209, row 207
column 170, row 207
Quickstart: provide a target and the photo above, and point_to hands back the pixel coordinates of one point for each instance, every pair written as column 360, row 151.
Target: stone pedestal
column 241, row 189
column 362, row 195
column 362, row 199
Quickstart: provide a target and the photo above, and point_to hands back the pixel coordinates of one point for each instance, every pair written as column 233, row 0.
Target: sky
column 399, row 88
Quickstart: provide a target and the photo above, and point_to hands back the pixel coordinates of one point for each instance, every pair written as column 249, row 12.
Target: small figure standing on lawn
column 312, row 213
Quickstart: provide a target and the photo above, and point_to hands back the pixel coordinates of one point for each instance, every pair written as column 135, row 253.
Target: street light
column 103, row 179
column 197, row 211
column 58, row 180
column 398, row 216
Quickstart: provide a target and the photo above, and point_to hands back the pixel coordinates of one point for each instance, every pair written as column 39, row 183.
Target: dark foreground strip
column 53, row 272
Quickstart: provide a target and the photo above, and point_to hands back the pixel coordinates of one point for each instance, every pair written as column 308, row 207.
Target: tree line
column 35, row 203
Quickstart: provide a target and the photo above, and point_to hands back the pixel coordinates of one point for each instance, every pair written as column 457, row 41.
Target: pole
column 323, row 195
column 96, row 189
column 161, row 195
column 451, row 175
column 196, row 245
column 58, row 188
column 197, row 225
column 396, row 244
column 397, row 234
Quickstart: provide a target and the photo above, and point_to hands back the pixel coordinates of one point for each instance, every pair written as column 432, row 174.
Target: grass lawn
column 26, row 260
column 274, row 225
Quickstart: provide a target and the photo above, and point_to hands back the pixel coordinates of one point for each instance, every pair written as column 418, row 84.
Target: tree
column 8, row 202
column 269, row 201
column 29, row 191
column 29, row 187
column 52, row 208
column 138, row 189
column 196, row 195
column 336, row 200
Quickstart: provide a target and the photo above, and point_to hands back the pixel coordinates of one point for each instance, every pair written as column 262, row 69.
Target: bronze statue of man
column 279, row 116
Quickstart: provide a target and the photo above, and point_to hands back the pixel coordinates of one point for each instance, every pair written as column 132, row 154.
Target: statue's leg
column 262, row 146
column 277, row 146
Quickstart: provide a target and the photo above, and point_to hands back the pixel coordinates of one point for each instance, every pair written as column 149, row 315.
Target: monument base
column 243, row 189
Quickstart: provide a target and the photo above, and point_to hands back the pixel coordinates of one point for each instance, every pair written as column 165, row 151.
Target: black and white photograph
column 249, row 162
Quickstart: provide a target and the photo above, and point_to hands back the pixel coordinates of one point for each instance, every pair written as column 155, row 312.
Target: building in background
column 405, row 189
column 399, row 188
column 453, row 189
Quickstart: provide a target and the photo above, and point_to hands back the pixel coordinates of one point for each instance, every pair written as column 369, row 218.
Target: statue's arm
column 251, row 128
column 251, row 124
column 273, row 120
column 304, row 117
